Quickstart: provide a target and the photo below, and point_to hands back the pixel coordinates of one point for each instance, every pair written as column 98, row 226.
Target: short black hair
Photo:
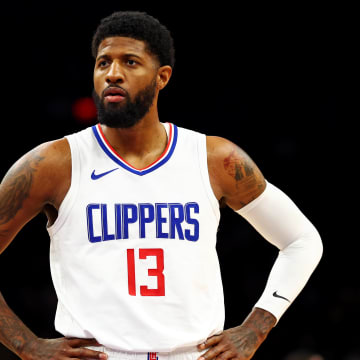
column 140, row 26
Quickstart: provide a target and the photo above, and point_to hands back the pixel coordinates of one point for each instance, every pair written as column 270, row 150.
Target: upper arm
column 234, row 176
column 38, row 178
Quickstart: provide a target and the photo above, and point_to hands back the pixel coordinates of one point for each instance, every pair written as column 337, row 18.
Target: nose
column 115, row 74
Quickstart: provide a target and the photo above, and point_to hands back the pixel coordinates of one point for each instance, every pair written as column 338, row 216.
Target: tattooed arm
column 240, row 342
column 236, row 181
column 36, row 183
column 234, row 177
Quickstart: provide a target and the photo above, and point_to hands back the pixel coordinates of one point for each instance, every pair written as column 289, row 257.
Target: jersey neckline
column 113, row 155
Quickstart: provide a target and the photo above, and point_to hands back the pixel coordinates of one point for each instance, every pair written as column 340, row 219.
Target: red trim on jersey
column 133, row 167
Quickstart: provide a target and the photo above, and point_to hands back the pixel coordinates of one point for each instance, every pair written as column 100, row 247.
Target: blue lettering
column 118, row 221
column 195, row 235
column 170, row 221
column 127, row 218
column 90, row 222
column 143, row 219
column 176, row 220
column 104, row 221
column 160, row 220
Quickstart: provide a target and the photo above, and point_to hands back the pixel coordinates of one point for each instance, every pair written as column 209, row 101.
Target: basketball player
column 133, row 210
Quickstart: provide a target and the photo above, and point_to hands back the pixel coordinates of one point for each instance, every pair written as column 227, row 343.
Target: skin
column 39, row 181
column 143, row 143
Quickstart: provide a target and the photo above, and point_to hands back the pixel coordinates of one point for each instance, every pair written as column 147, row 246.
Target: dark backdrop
column 274, row 80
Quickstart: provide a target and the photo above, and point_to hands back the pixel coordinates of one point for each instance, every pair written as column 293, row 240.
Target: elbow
column 307, row 246
column 317, row 246
column 312, row 246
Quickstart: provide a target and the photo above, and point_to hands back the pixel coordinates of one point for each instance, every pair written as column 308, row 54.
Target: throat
column 140, row 147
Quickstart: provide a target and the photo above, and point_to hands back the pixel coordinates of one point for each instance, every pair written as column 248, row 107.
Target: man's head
column 140, row 26
column 134, row 56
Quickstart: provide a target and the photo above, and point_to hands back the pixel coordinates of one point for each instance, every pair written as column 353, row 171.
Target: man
column 133, row 210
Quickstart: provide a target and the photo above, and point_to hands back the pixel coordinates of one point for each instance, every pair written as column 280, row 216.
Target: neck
column 141, row 143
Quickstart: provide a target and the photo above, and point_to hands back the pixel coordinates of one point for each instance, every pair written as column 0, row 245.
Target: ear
column 163, row 76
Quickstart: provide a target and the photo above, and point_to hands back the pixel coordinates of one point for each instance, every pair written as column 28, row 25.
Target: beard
column 129, row 112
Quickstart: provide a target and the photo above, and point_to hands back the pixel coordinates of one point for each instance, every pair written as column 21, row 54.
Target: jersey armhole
column 70, row 196
column 205, row 177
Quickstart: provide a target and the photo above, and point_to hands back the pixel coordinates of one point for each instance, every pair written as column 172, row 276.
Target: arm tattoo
column 249, row 182
column 13, row 333
column 262, row 321
column 16, row 188
column 249, row 336
column 245, row 344
column 237, row 168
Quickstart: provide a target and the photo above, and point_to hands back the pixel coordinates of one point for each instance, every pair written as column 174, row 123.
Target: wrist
column 260, row 322
column 28, row 348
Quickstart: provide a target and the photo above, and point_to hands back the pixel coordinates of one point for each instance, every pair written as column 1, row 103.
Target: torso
column 223, row 158
column 102, row 219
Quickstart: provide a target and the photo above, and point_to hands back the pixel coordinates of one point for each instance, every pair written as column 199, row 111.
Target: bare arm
column 13, row 333
column 235, row 178
column 236, row 181
column 240, row 342
column 38, row 180
column 14, row 191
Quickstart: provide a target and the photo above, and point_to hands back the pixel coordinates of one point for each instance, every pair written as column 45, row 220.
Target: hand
column 240, row 342
column 235, row 343
column 62, row 349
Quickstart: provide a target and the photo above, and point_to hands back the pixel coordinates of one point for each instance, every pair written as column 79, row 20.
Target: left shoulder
column 234, row 176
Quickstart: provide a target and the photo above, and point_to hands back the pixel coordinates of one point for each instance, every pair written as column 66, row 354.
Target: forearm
column 240, row 342
column 275, row 216
column 13, row 332
column 260, row 322
column 289, row 274
column 248, row 337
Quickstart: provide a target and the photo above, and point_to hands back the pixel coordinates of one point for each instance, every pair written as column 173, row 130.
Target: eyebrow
column 105, row 56
column 130, row 54
column 102, row 57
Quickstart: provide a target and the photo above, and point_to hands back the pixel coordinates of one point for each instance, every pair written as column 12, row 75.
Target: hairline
column 147, row 47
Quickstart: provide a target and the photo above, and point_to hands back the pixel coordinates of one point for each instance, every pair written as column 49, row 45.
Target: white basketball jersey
column 132, row 254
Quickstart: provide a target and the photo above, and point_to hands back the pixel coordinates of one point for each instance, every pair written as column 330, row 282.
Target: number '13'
column 158, row 272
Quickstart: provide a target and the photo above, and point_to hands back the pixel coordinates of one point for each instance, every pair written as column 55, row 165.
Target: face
column 126, row 79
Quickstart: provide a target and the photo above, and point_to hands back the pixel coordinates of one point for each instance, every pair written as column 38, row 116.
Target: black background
column 276, row 80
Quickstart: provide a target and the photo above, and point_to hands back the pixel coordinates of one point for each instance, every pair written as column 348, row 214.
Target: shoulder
column 218, row 146
column 42, row 172
column 56, row 153
column 39, row 178
column 234, row 176
column 45, row 157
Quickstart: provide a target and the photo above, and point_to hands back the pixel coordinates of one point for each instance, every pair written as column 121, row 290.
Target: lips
column 114, row 94
column 114, row 91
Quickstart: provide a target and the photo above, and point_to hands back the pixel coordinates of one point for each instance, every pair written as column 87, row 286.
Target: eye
column 131, row 62
column 102, row 63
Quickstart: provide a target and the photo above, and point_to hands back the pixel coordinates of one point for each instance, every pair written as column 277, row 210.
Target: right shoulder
column 49, row 159
column 39, row 178
column 55, row 154
column 44, row 173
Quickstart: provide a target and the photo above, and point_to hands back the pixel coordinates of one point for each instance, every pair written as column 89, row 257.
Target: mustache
column 112, row 86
